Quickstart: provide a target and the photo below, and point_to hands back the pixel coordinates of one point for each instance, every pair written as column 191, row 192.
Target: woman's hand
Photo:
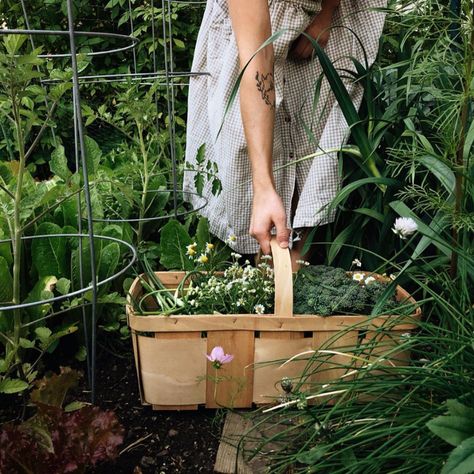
column 319, row 29
column 268, row 212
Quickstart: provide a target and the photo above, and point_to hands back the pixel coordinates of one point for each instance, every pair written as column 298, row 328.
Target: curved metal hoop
column 159, row 218
column 91, row 34
column 82, row 290
column 136, row 76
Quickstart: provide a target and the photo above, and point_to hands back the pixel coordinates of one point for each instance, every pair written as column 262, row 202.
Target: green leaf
column 173, row 241
column 442, row 171
column 461, row 459
column 58, row 163
column 63, row 285
column 13, row 43
column 26, row 343
column 202, row 233
column 43, row 333
column 452, row 429
column 49, row 254
column 456, row 408
column 81, row 354
column 313, row 455
column 108, row 260
column 12, row 385
column 75, row 405
column 93, row 155
column 6, row 282
column 344, row 193
column 43, row 290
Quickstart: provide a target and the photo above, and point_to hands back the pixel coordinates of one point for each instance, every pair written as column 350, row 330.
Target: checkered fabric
column 316, row 181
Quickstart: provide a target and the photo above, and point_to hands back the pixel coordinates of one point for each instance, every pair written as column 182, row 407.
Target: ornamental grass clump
column 323, row 290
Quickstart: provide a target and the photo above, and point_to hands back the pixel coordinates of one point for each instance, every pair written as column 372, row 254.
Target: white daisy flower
column 404, row 227
column 358, row 277
column 259, row 309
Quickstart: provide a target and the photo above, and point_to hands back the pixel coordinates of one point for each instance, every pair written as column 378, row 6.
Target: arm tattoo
column 265, row 84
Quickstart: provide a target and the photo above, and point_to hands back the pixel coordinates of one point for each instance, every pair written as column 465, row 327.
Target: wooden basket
column 174, row 374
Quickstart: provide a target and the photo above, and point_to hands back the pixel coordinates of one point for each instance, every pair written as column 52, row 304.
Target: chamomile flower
column 231, row 239
column 209, row 247
column 203, row 258
column 259, row 309
column 191, row 249
column 358, row 277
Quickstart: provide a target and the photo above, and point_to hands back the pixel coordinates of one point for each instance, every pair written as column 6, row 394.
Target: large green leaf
column 108, row 260
column 350, row 188
column 461, row 459
column 93, row 155
column 6, row 282
column 173, row 242
column 49, row 253
column 58, row 163
column 43, row 290
column 12, row 385
column 441, row 170
column 202, row 232
column 452, row 429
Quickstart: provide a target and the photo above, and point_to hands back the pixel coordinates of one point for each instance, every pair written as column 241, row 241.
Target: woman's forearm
column 252, row 26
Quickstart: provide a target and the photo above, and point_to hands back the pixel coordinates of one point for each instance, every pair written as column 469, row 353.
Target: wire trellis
column 167, row 78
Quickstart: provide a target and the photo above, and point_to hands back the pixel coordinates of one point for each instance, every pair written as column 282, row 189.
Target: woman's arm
column 252, row 26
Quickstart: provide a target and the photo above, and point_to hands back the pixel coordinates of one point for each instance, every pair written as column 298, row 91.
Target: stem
column 42, row 129
column 17, row 231
column 146, row 180
column 458, row 190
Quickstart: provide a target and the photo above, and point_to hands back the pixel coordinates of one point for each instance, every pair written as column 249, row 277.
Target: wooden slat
column 235, row 390
column 229, row 459
column 176, row 335
column 283, row 280
column 282, row 334
column 264, row 322
column 267, row 376
column 170, row 370
column 330, row 369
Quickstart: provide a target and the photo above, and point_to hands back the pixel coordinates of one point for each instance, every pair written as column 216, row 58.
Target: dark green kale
column 324, row 291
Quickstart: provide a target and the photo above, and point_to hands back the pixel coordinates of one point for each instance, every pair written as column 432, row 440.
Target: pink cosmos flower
column 218, row 357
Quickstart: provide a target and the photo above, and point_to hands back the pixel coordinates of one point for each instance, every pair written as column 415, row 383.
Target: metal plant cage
column 85, row 219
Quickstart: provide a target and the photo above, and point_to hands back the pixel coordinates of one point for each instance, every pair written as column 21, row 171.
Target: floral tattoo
column 265, row 84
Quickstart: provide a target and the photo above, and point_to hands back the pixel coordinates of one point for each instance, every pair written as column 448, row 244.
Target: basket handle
column 283, row 279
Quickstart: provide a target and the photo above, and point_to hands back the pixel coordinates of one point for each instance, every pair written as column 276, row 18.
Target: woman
column 276, row 122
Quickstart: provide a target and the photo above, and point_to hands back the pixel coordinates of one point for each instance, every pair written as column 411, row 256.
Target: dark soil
column 155, row 442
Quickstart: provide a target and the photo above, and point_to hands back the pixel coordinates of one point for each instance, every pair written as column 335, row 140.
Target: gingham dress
column 315, row 181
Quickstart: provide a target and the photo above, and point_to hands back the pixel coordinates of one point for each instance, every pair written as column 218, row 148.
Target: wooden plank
column 235, row 379
column 267, row 377
column 176, row 335
column 337, row 365
column 264, row 322
column 281, row 335
column 234, row 445
column 229, row 459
